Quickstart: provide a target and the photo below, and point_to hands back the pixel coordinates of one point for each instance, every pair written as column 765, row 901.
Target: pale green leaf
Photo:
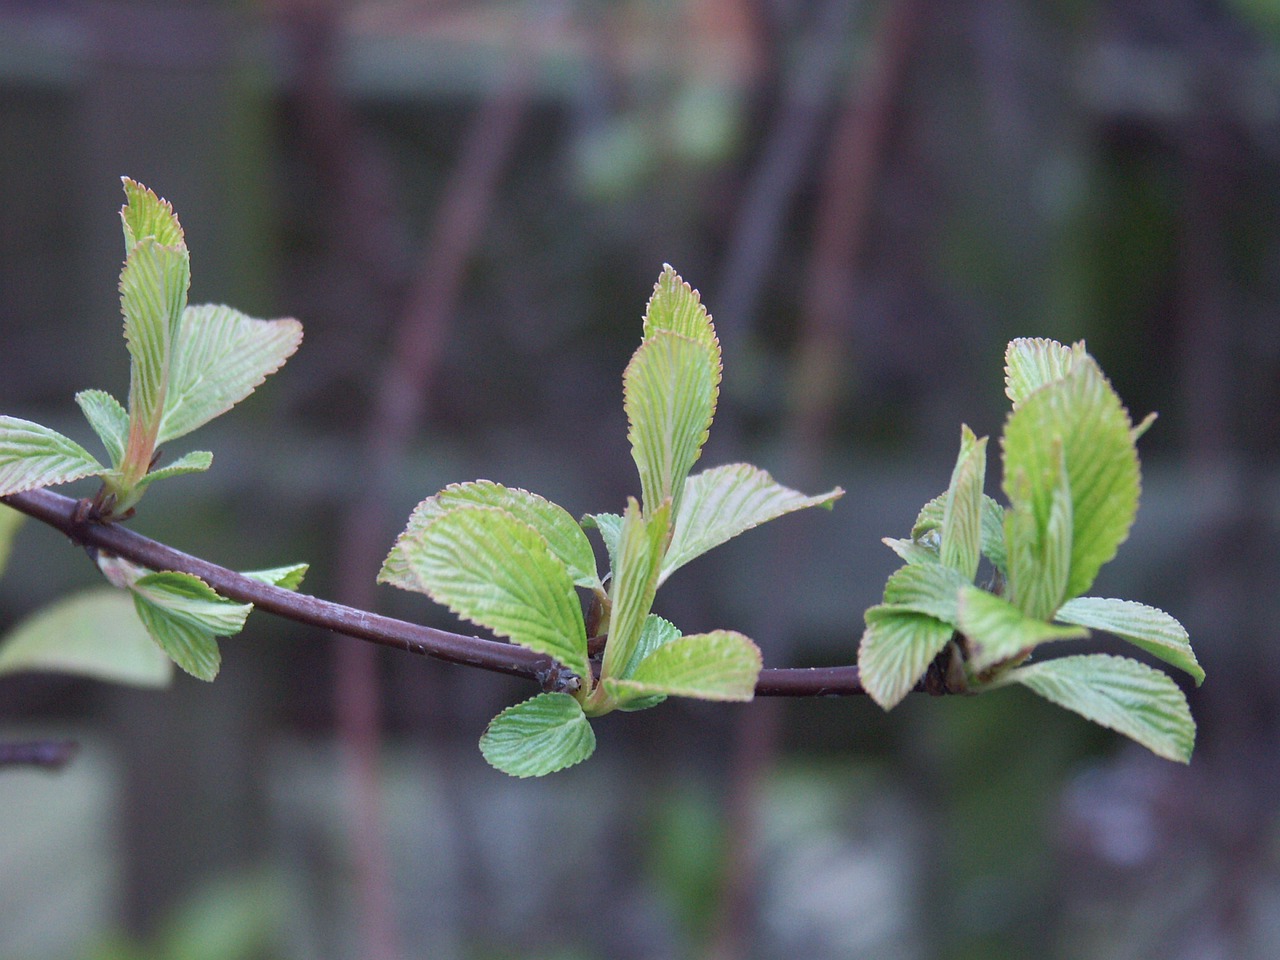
column 896, row 650
column 1031, row 363
column 289, row 577
column 635, row 581
column 932, row 514
column 1121, row 694
column 1147, row 627
column 669, row 394
column 110, row 421
column 498, row 571
column 33, row 456
column 539, row 736
column 1039, row 546
column 147, row 215
column 961, row 546
column 721, row 665
column 153, row 295
column 913, row 551
column 1079, row 419
column 657, row 632
column 926, row 588
column 10, row 520
column 723, row 502
column 184, row 614
column 563, row 534
column 677, row 307
column 219, row 357
column 95, row 633
column 609, row 526
column 999, row 631
column 197, row 461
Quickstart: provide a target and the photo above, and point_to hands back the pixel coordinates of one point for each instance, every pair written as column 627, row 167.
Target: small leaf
column 1080, row 421
column 669, row 394
column 999, row 631
column 289, row 577
column 926, row 588
column 495, row 570
column 33, row 456
column 184, row 614
column 656, row 633
column 609, row 526
column 219, row 357
column 1120, row 694
column 962, row 511
column 1031, row 363
column 539, row 736
column 896, row 650
column 721, row 665
column 912, row 551
column 723, row 502
column 1146, row 627
column 95, row 633
column 677, row 307
column 563, row 534
column 1039, row 546
column 147, row 215
column 197, row 461
column 931, row 518
column 10, row 520
column 635, row 581
column 109, row 420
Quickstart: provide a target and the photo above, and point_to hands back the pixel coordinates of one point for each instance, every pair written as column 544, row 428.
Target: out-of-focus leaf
column 10, row 520
column 961, row 546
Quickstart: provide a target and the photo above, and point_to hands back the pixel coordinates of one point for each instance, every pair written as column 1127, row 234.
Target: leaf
column 999, row 631
column 1039, row 547
column 563, row 534
column 219, row 357
column 657, row 632
column 289, row 577
column 926, row 588
column 635, row 581
column 10, row 520
column 1147, row 627
column 184, row 614
column 109, row 420
column 932, row 514
column 95, row 633
column 912, row 551
column 609, row 526
column 669, row 394
column 896, row 650
column 962, row 511
column 1080, row 416
column 723, row 502
column 722, row 665
column 1120, row 694
column 498, row 571
column 153, row 295
column 197, row 461
column 147, row 215
column 677, row 307
column 1031, row 363
column 33, row 456
column 539, row 736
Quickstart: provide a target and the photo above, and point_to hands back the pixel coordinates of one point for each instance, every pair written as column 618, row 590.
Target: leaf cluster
column 1072, row 480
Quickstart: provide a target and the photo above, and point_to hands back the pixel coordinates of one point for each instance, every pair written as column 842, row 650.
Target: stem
column 59, row 512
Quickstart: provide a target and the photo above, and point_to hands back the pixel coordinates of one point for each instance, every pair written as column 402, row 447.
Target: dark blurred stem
column 855, row 155
column 42, row 754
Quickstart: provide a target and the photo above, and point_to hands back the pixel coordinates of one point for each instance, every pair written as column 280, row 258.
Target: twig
column 59, row 512
column 44, row 754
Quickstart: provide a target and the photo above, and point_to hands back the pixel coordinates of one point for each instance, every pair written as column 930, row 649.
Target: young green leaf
column 539, row 736
column 1121, row 694
column 1039, row 546
column 656, row 633
column 999, row 631
column 723, row 502
column 669, row 394
column 493, row 569
column 913, row 551
column 721, row 665
column 635, row 581
column 926, row 588
column 1080, row 419
column 563, row 534
column 10, row 520
column 609, row 526
column 109, row 420
column 219, row 357
column 677, row 307
column 933, row 513
column 896, row 650
column 197, row 461
column 1031, row 363
column 289, row 577
column 184, row 615
column 1146, row 627
column 147, row 215
column 95, row 633
column 33, row 456
column 961, row 546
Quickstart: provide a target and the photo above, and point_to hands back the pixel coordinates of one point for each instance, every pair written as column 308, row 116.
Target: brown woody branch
column 60, row 512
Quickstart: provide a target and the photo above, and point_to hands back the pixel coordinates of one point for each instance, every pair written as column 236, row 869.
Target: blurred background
column 467, row 204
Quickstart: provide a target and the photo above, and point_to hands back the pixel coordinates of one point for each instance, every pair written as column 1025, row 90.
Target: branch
column 60, row 512
column 44, row 754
